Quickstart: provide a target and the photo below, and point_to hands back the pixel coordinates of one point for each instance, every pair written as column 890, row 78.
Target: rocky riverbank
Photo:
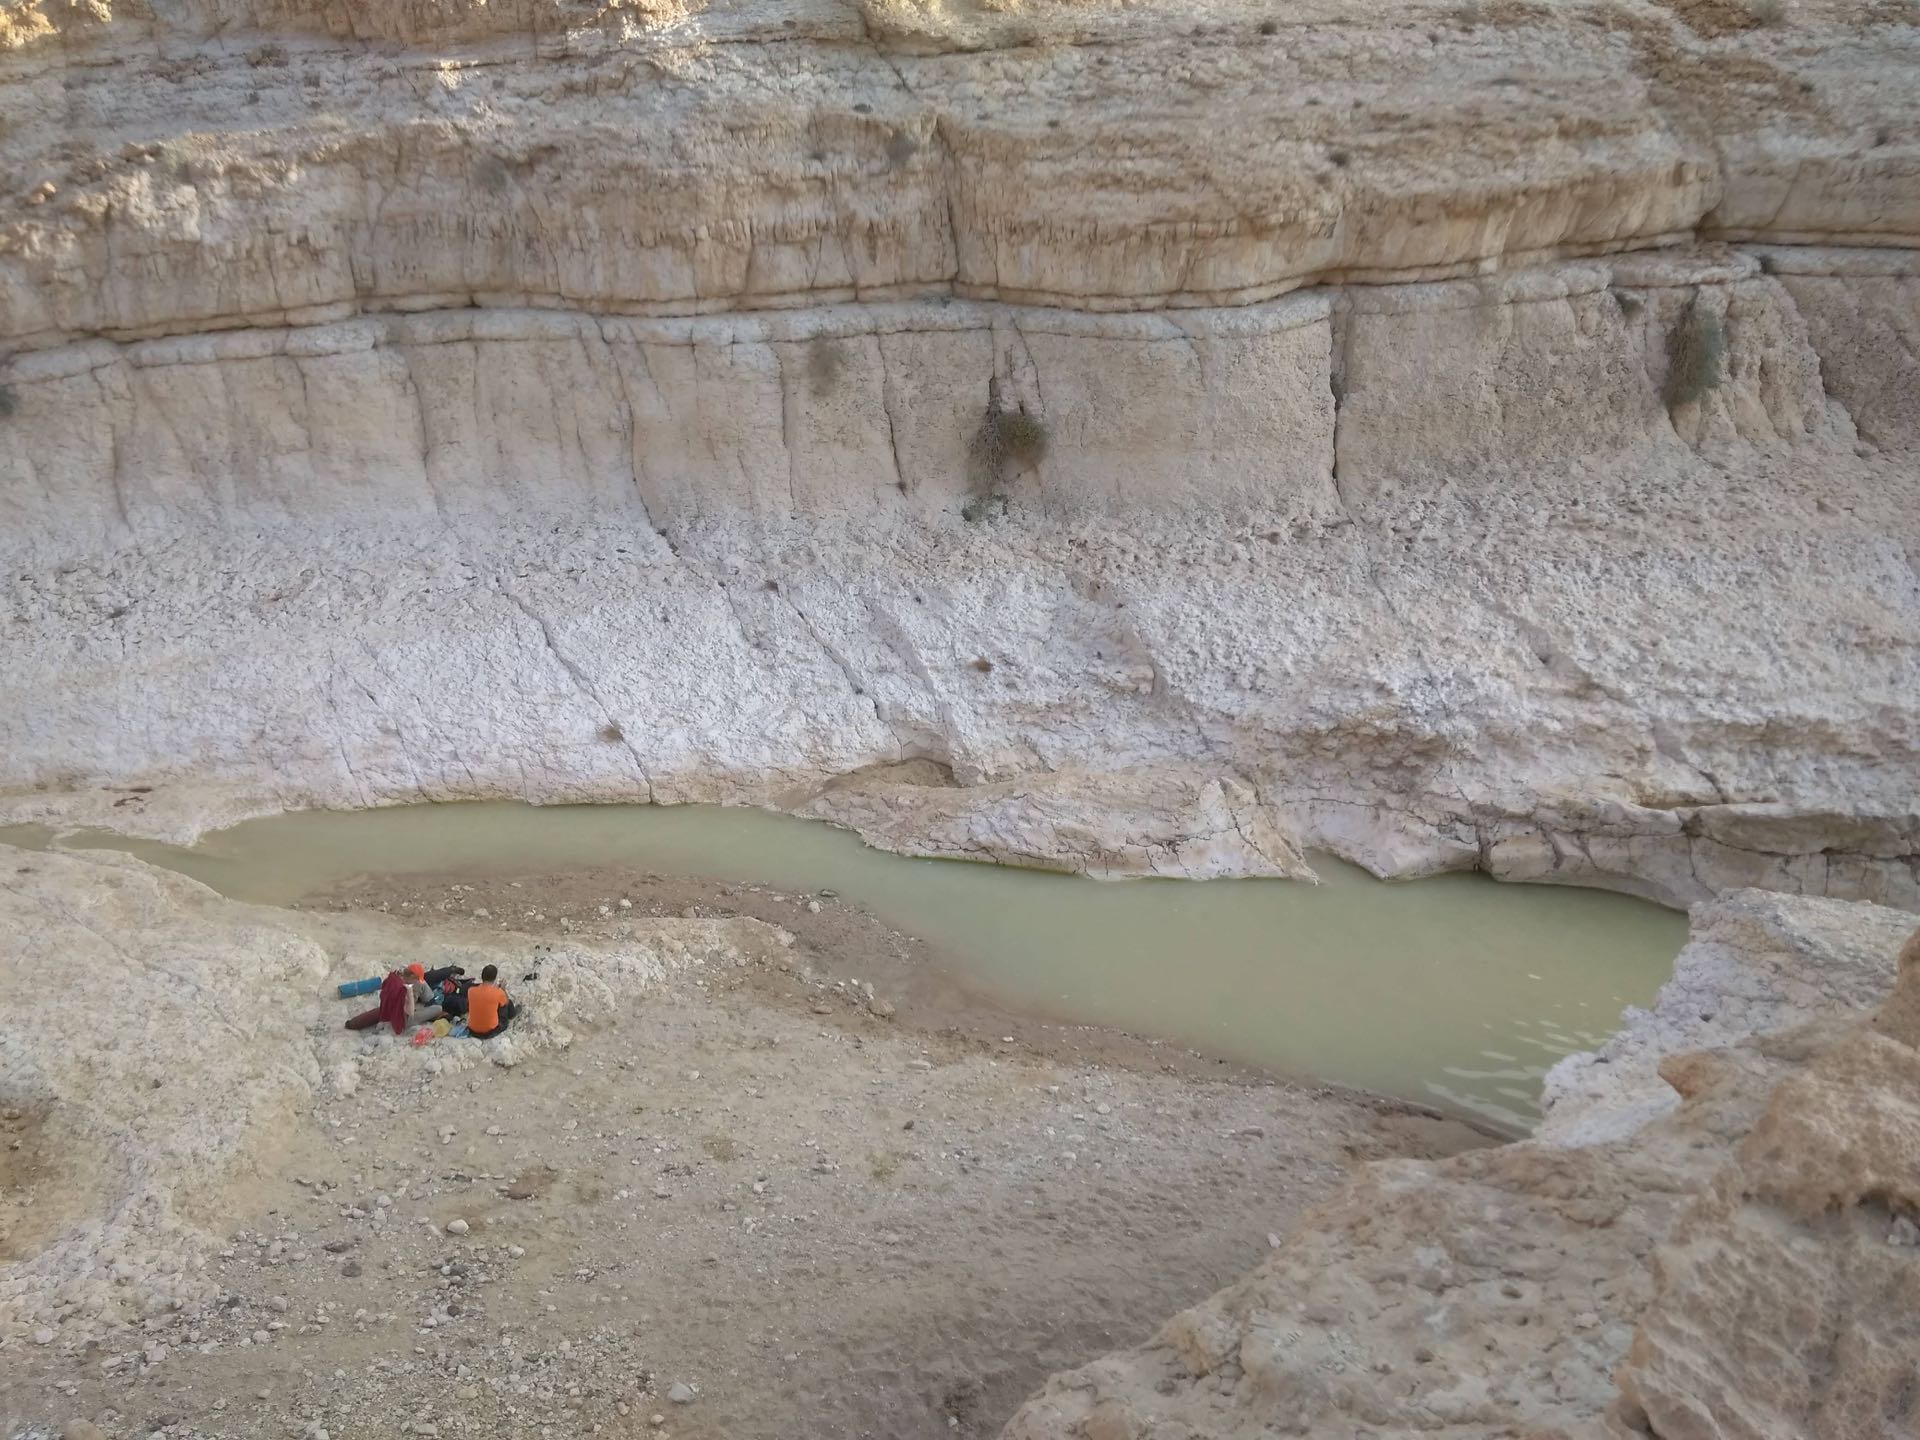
column 712, row 1157
column 1746, row 1263
column 1131, row 438
column 784, row 1175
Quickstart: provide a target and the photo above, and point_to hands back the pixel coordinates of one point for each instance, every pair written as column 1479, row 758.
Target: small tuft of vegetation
column 1696, row 356
column 983, row 665
column 1010, row 438
column 272, row 55
column 902, row 146
column 612, row 733
column 982, row 507
column 1021, row 438
column 9, row 401
column 1770, row 13
column 1269, row 27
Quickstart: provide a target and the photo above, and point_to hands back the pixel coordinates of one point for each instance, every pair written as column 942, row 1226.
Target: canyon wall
column 1451, row 439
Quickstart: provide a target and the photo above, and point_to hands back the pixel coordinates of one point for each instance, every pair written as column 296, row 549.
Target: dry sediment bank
column 827, row 1223
column 706, row 1161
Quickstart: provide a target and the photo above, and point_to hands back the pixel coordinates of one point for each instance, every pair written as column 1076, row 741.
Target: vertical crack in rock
column 615, row 374
column 366, row 795
column 886, row 408
column 304, row 418
column 580, row 679
column 789, row 402
column 1032, row 366
column 840, row 662
column 893, row 634
column 418, row 397
column 1339, row 343
column 116, row 471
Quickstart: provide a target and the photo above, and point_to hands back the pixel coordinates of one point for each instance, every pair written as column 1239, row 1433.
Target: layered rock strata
column 1452, row 439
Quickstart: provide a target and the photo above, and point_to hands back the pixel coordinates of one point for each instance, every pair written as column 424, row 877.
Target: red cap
column 419, row 972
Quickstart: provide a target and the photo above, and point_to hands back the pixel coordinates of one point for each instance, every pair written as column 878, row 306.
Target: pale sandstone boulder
column 1785, row 1299
column 1754, row 962
column 1725, row 1271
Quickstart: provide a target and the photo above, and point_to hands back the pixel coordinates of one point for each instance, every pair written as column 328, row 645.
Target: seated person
column 453, row 996
column 488, row 1006
column 396, row 1001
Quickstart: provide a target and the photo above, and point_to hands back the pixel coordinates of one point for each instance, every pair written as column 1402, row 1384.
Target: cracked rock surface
column 1743, row 1264
column 1466, row 438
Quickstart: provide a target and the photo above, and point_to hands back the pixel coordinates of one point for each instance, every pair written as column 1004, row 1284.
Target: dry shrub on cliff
column 1696, row 356
column 9, row 401
column 1009, row 438
column 1768, row 12
column 1020, row 438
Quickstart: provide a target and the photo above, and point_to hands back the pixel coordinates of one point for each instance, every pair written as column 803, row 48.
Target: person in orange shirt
column 488, row 1006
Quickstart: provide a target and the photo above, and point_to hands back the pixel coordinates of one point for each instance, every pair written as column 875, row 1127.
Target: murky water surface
column 1454, row 991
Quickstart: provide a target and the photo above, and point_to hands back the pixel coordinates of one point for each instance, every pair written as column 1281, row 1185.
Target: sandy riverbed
column 823, row 1220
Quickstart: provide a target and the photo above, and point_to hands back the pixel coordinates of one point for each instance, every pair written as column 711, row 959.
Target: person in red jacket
column 396, row 1001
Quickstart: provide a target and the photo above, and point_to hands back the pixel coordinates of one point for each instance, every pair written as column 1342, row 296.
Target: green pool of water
column 1453, row 991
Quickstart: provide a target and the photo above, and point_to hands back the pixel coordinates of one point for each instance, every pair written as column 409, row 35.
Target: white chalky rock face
column 1447, row 440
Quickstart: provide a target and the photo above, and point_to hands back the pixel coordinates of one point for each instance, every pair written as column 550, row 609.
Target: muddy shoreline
column 917, row 985
column 747, row 1179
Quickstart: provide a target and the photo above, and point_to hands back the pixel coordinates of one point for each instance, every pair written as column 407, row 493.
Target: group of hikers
column 417, row 995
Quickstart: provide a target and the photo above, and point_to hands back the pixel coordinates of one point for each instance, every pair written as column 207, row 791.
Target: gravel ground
column 765, row 1202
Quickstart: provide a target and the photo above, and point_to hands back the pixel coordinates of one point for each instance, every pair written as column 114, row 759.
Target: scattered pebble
column 457, row 1227
column 681, row 1393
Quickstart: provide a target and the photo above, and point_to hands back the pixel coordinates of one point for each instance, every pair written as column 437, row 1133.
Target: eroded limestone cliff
column 1454, row 436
